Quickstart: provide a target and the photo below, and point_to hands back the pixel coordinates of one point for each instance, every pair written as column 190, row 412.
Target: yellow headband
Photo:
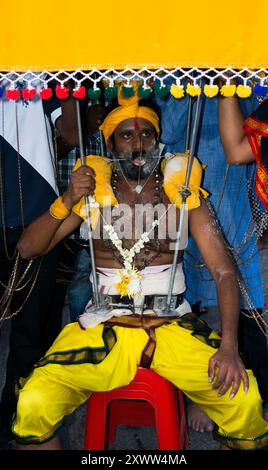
column 122, row 113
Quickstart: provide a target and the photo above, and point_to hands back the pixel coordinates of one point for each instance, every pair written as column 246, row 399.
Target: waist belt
column 155, row 302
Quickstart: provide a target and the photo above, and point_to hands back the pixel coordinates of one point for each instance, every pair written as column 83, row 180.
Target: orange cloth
column 122, row 113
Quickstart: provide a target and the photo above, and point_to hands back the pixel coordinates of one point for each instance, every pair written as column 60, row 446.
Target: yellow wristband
column 58, row 209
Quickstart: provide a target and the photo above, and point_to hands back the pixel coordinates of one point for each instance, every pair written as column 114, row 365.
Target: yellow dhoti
column 107, row 356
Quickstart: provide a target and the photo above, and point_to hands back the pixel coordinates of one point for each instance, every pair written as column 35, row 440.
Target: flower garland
column 128, row 280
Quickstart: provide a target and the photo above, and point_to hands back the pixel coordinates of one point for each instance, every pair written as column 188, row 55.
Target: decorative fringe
column 140, row 89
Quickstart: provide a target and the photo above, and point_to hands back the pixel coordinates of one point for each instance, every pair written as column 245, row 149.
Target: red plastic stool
column 149, row 400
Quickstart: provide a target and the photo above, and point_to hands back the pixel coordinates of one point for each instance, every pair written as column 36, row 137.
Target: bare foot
column 265, row 415
column 197, row 419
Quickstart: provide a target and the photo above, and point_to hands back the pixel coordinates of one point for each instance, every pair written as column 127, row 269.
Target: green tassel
column 94, row 93
column 111, row 92
column 127, row 91
column 161, row 91
column 144, row 92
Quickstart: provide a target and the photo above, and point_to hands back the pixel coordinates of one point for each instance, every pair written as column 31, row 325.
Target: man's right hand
column 82, row 182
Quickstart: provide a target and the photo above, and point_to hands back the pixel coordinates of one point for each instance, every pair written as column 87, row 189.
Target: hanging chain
column 14, row 285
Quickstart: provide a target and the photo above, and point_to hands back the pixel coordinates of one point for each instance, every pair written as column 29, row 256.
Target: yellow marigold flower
column 177, row 91
column 122, row 287
column 211, row 90
column 243, row 91
column 193, row 90
column 228, row 90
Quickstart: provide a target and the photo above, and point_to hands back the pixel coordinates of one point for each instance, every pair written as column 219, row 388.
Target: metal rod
column 90, row 239
column 183, row 206
column 193, row 140
column 188, row 128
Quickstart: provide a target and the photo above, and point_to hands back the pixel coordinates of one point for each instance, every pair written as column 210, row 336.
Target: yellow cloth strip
column 209, row 35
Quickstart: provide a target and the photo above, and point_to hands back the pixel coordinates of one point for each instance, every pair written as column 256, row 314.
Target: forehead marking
column 136, row 124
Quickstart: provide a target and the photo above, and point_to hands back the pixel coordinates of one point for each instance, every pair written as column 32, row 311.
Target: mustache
column 130, row 156
column 141, row 154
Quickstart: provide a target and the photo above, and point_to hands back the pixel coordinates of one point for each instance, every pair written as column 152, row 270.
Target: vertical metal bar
column 90, row 239
column 183, row 206
column 189, row 120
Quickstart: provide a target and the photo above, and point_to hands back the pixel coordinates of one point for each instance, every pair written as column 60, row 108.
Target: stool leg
column 184, row 437
column 96, row 423
column 167, row 422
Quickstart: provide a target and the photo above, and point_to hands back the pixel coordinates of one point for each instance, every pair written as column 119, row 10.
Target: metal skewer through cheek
column 181, row 242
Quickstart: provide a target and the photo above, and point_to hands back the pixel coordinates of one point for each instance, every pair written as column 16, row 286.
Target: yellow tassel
column 243, row 91
column 211, row 90
column 177, row 91
column 228, row 90
column 174, row 171
column 193, row 90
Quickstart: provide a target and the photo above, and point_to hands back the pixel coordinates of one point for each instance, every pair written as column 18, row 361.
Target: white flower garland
column 128, row 280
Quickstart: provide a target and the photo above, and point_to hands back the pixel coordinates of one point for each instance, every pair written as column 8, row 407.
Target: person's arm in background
column 234, row 139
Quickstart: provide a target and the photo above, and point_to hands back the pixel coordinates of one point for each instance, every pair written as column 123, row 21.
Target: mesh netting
column 248, row 79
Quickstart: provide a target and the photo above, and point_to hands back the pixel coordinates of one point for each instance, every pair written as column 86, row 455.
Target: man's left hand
column 230, row 372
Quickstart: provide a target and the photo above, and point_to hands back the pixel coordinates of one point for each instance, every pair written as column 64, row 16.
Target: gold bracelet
column 58, row 209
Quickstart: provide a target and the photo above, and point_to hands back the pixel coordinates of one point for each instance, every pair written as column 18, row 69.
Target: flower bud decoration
column 193, row 90
column 260, row 90
column 127, row 91
column 228, row 90
column 93, row 93
column 62, row 92
column 177, row 91
column 110, row 92
column 79, row 92
column 161, row 90
column 12, row 94
column 144, row 91
column 46, row 93
column 243, row 91
column 28, row 93
column 211, row 90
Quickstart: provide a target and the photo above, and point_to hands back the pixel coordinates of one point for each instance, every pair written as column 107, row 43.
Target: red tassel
column 79, row 93
column 46, row 93
column 12, row 94
column 62, row 92
column 28, row 93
